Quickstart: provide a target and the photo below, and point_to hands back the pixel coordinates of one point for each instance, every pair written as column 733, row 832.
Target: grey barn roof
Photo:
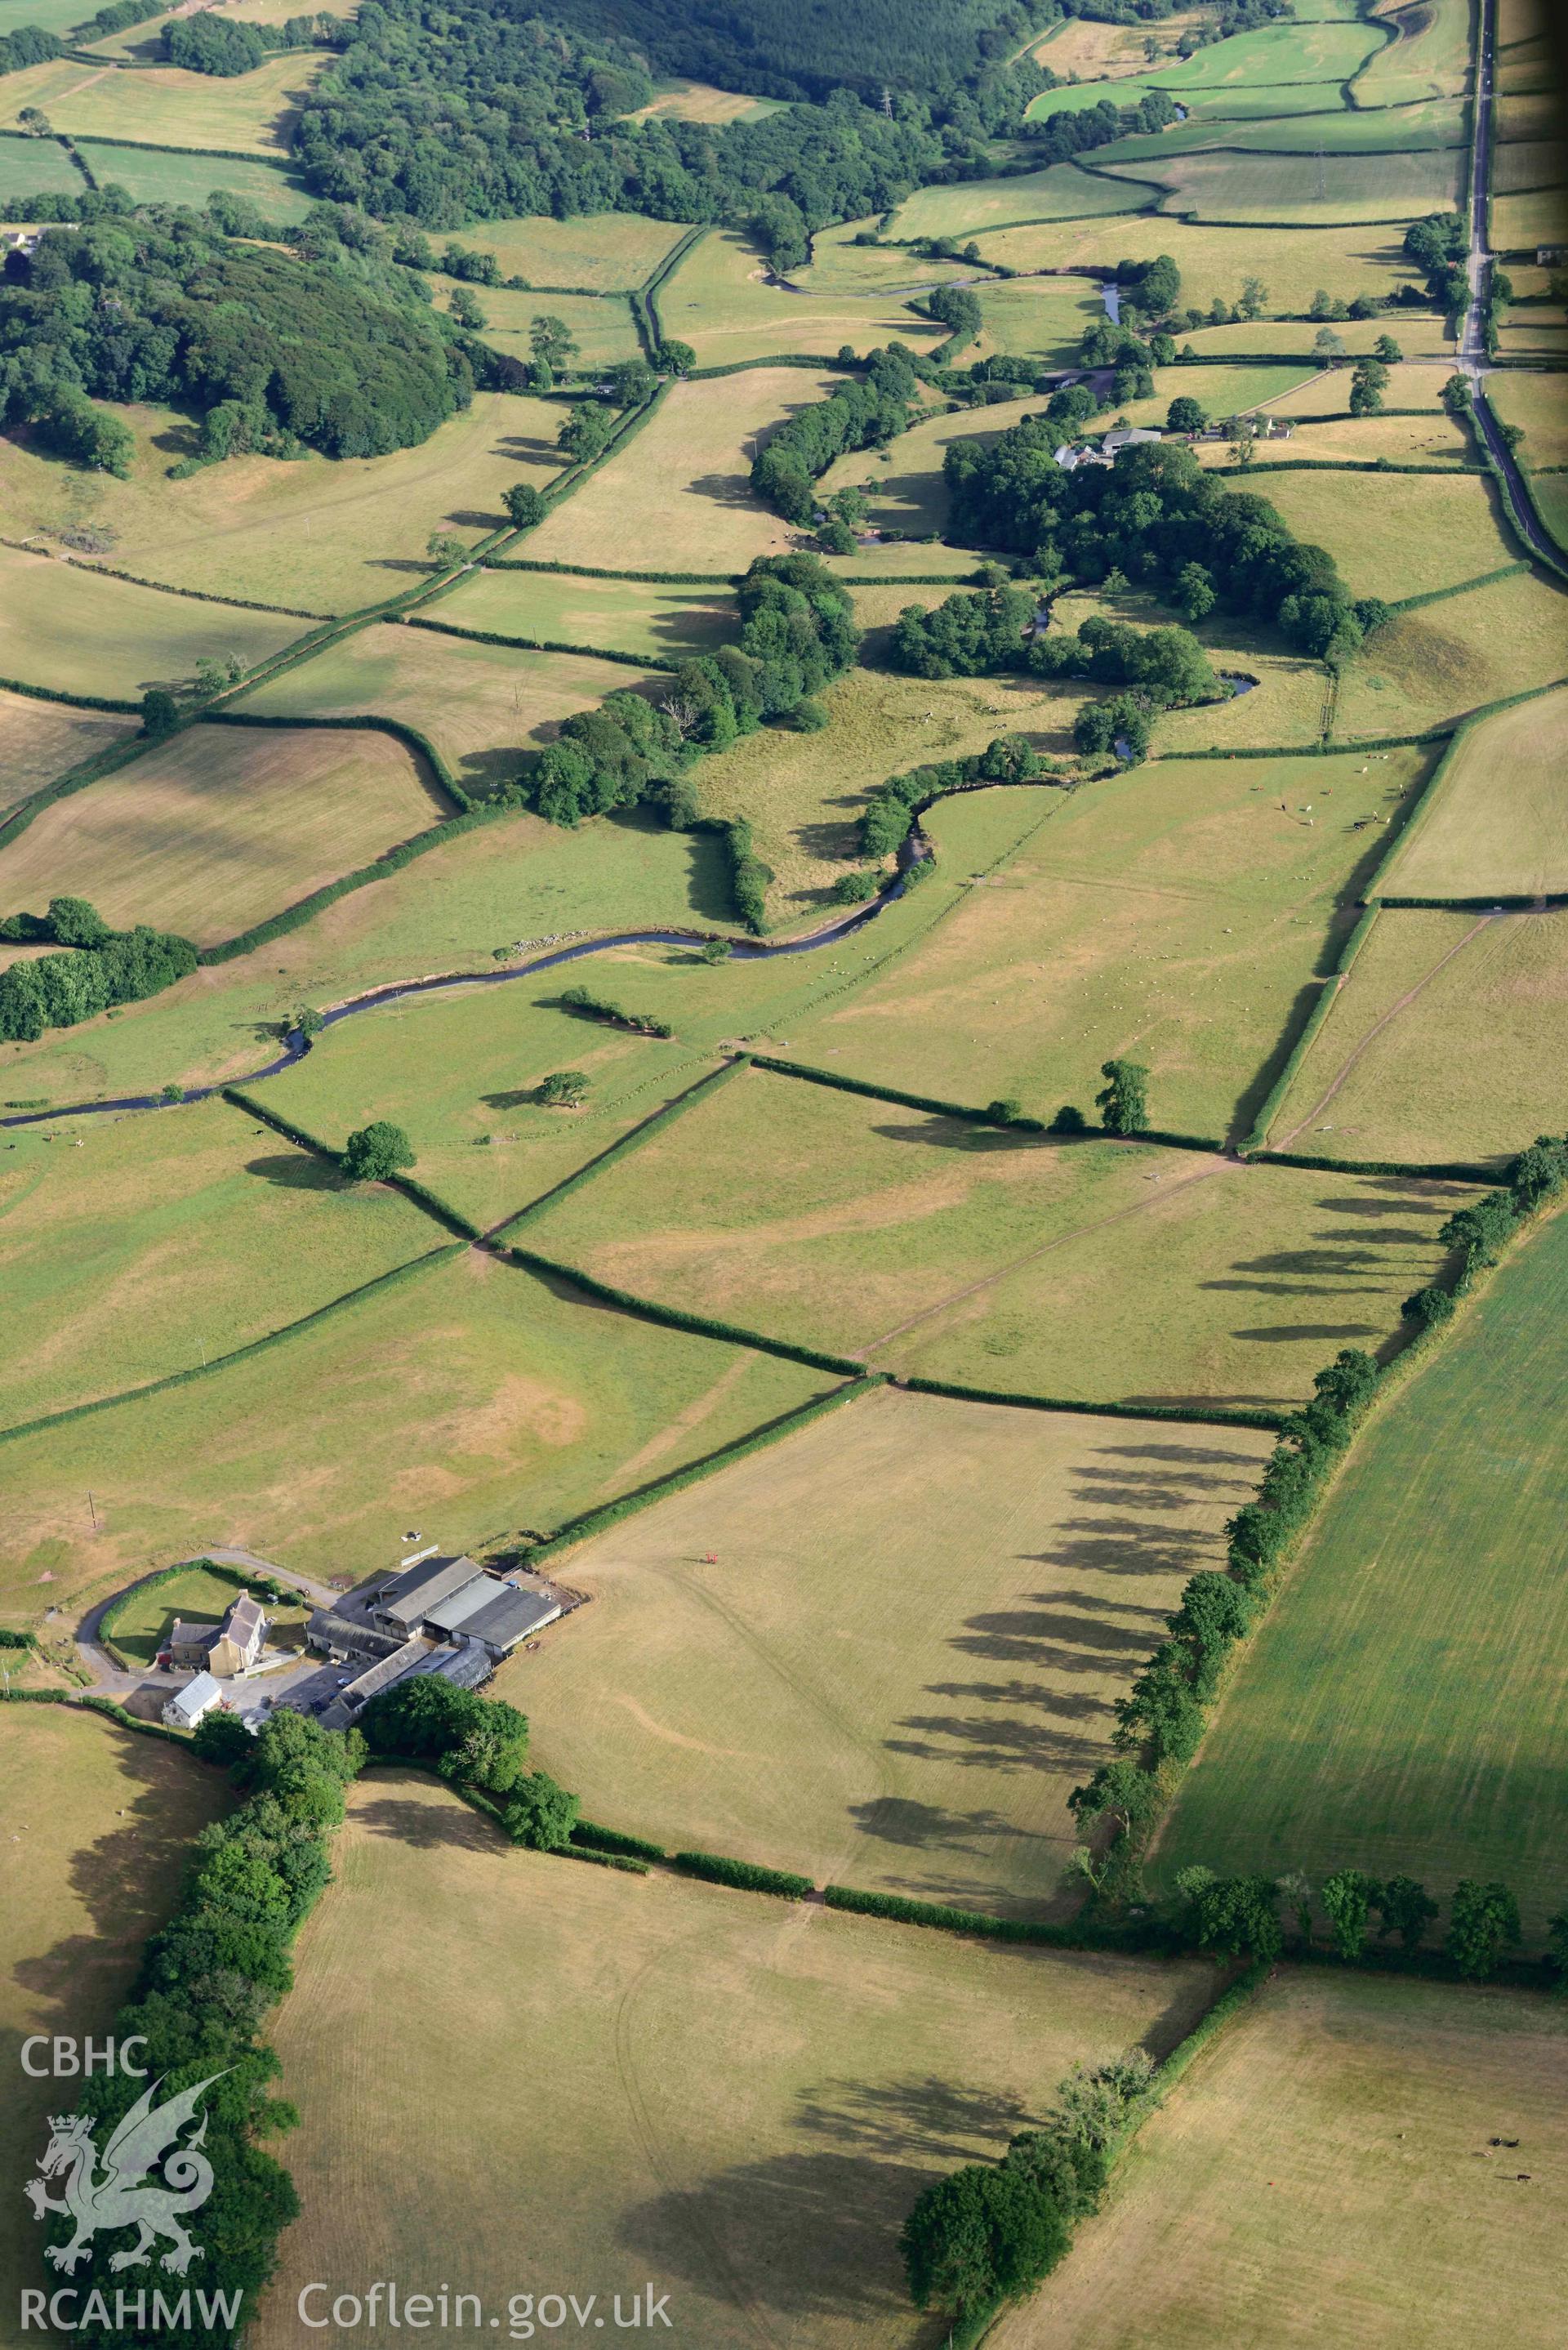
column 511, row 1616
column 413, row 1596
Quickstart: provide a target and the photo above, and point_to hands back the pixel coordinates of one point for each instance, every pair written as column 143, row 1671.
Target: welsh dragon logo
column 125, row 2193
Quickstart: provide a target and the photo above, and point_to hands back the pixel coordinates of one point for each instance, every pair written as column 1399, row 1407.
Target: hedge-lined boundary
column 671, row 1317
column 111, row 1615
column 642, row 1497
column 1322, row 1004
column 541, row 644
column 820, row 363
column 1163, row 1136
column 614, row 1840
column 1456, row 472
column 944, row 1917
column 91, row 565
column 1549, row 556
column 593, row 571
column 1329, row 750
column 417, row 1194
column 643, row 298
column 643, row 1132
column 350, row 1297
column 371, row 722
column 1460, row 588
column 1546, row 901
column 1417, row 1170
column 277, row 163
column 76, row 700
column 85, row 1702
column 744, row 1876
column 1200, row 1415
column 107, row 762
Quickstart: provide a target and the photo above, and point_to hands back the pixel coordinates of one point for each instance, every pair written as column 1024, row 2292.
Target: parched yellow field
column 1539, row 216
column 1448, row 1039
column 97, row 1826
column 1538, row 404
column 1410, row 386
column 1521, row 164
column 39, row 740
column 224, row 825
column 1214, row 261
column 1328, row 2173
column 676, row 497
column 653, row 2087
column 718, row 302
column 144, row 42
column 699, row 101
column 903, row 482
column 62, row 627
column 1394, row 537
column 1419, row 337
column 609, row 252
column 1498, row 821
column 319, row 534
column 1173, row 914
column 626, row 616
column 803, row 794
column 1434, row 439
column 166, row 105
column 1036, row 317
column 482, row 706
column 471, row 1395
column 1010, row 1572
column 135, row 1245
column 1431, row 57
column 1077, row 47
column 1429, row 667
column 1004, row 1261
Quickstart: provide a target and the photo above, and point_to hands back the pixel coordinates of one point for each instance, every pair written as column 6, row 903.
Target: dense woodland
column 337, row 351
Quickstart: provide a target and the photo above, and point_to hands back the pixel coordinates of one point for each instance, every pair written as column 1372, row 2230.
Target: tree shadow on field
column 296, row 1171
column 813, row 2230
column 927, row 1827
column 953, row 1134
column 428, row 1827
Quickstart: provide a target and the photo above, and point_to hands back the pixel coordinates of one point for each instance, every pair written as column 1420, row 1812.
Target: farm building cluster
column 437, row 1614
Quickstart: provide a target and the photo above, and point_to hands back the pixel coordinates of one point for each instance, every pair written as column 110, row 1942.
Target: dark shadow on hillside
column 954, row 1134
column 427, row 1826
column 927, row 1828
column 296, row 1170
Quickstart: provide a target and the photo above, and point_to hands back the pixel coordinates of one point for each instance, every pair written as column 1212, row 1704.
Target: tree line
column 97, row 967
column 863, row 412
column 209, row 43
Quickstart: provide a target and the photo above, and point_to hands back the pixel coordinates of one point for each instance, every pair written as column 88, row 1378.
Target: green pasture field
column 318, row 534
column 482, row 706
column 974, row 208
column 1402, row 1706
column 1288, row 121
column 1447, row 1037
column 676, row 497
column 1431, row 58
column 1522, row 164
column 1324, row 50
column 1427, row 667
column 471, row 1395
column 99, row 1823
column 64, row 628
column 803, row 794
column 1537, row 217
column 166, row 104
column 1528, row 68
column 998, row 1261
column 1286, row 706
column 1321, row 2152
column 454, row 910
column 458, row 1075
column 601, row 325
column 729, row 2102
column 155, row 178
column 1534, row 339
column 1434, row 439
column 1550, row 492
column 1042, row 318
column 699, row 101
column 214, row 830
column 628, row 615
column 32, row 166
column 198, row 1598
column 1214, row 261
column 718, row 301
column 1534, row 116
column 1223, row 389
column 1410, row 385
column 1010, row 1570
column 1496, row 822
column 1393, row 535
column 610, row 252
column 1419, row 338
column 904, row 486
column 54, row 15
column 839, row 266
column 1240, row 188
column 1172, row 914
column 42, row 739
column 133, row 1243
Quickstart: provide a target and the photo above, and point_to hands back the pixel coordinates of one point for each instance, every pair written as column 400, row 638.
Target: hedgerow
column 1199, row 1415
column 745, row 1876
column 703, row 1326
column 614, row 1840
column 627, row 1142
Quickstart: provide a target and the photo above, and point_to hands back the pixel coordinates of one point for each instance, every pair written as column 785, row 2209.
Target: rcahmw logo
column 147, row 2178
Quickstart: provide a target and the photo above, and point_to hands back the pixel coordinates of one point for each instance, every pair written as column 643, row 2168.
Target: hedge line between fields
column 820, row 362
column 645, row 297
column 1417, row 1170
column 420, row 1195
column 88, row 1703
column 371, row 722
column 593, row 1521
column 592, row 571
column 1320, row 750
column 1460, row 588
column 1322, row 1004
column 196, row 595
column 107, row 762
column 399, row 1273
column 613, row 1840
column 1456, row 472
column 1544, row 902
column 1165, row 1137
column 76, row 700
column 671, row 1317
column 1201, row 1415
column 541, row 644
column 745, row 1876
column 639, row 1134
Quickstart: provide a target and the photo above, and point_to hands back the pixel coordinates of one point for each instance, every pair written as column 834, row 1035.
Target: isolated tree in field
column 563, row 1090
column 307, row 1021
column 1346, row 1898
column 1254, row 294
column 445, row 549
column 1405, row 1908
column 1186, row 415
column 715, row 951
column 1482, row 1923
column 585, row 432
column 376, row 1151
column 551, row 342
column 37, row 123
column 160, row 712
column 524, row 504
column 1366, row 388
column 1122, row 1099
column 1327, row 305
column 464, row 307
column 1456, row 395
column 674, row 358
column 1386, row 350
column 1328, row 347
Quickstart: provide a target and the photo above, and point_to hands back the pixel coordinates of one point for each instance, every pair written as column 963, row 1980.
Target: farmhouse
column 193, row 1702
column 225, row 1649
